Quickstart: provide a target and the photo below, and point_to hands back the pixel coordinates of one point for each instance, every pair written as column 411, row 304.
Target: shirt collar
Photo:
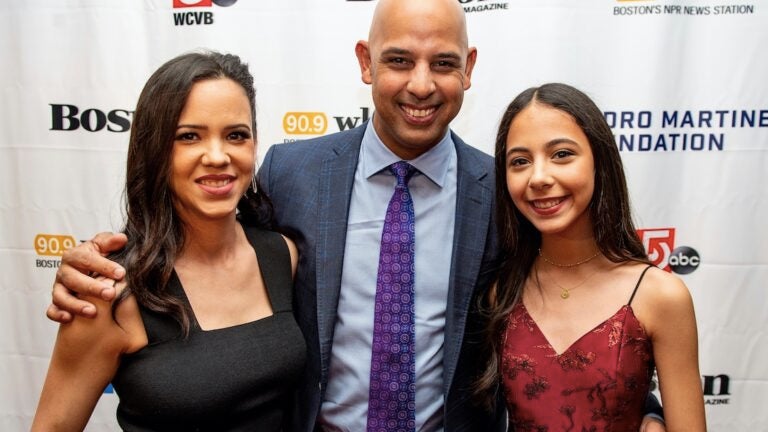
column 434, row 163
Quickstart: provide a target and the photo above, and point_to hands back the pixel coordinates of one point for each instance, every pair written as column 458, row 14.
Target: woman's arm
column 85, row 358
column 672, row 329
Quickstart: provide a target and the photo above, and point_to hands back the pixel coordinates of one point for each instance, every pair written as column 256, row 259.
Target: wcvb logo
column 659, row 244
column 191, row 18
column 202, row 3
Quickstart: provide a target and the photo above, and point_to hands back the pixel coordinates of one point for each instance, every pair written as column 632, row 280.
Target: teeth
column 215, row 183
column 540, row 204
column 419, row 112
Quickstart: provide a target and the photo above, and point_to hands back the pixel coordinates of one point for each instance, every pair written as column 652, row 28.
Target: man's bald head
column 419, row 64
column 413, row 10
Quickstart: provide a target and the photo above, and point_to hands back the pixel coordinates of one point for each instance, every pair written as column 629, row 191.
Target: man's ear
column 363, row 54
column 471, row 59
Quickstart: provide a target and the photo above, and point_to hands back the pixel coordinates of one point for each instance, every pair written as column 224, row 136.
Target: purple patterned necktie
column 391, row 402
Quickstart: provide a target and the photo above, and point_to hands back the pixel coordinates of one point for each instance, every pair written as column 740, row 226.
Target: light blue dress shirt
column 433, row 188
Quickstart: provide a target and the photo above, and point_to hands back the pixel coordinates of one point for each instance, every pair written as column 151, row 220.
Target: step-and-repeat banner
column 682, row 83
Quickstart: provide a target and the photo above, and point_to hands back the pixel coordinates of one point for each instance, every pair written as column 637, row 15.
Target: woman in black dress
column 202, row 337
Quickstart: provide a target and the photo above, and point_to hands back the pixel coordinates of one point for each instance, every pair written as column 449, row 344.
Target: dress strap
column 638, row 284
column 275, row 264
column 162, row 327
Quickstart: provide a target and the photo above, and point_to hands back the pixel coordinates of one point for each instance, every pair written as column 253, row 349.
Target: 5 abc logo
column 659, row 243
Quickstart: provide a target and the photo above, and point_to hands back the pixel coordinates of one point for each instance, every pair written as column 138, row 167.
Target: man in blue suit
column 330, row 194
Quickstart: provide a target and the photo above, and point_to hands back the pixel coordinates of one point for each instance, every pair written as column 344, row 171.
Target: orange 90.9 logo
column 53, row 244
column 305, row 123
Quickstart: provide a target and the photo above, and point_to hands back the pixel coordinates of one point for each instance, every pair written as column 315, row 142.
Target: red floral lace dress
column 600, row 383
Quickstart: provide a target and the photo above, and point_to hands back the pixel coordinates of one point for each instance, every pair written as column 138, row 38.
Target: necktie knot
column 403, row 171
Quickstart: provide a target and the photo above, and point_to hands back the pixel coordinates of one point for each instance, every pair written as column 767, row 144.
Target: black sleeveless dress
column 238, row 378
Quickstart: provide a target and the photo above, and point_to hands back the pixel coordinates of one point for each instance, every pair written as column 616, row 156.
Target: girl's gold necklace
column 577, row 263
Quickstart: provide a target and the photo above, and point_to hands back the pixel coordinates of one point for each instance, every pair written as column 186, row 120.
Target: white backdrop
column 683, row 83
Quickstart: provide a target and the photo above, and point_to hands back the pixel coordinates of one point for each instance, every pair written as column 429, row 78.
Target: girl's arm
column 85, row 358
column 672, row 329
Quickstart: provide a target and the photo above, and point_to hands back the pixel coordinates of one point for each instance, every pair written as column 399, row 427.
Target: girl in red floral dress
column 579, row 318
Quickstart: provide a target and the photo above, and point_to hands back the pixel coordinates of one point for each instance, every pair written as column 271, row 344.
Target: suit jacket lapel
column 337, row 175
column 474, row 197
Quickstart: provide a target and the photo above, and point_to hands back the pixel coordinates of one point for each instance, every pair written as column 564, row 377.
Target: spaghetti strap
column 638, row 285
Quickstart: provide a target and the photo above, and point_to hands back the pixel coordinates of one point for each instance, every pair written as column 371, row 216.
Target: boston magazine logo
column 471, row 6
column 716, row 388
column 191, row 12
column 659, row 243
column 70, row 117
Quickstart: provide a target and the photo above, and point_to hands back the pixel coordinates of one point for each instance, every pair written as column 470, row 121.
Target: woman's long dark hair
column 519, row 240
column 155, row 231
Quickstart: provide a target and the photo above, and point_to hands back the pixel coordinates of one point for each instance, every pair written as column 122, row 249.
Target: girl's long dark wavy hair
column 155, row 231
column 519, row 240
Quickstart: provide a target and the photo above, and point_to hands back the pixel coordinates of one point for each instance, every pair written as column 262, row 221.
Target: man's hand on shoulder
column 652, row 424
column 76, row 274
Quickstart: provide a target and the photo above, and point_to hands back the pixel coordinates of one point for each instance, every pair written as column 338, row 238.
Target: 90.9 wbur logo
column 51, row 245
